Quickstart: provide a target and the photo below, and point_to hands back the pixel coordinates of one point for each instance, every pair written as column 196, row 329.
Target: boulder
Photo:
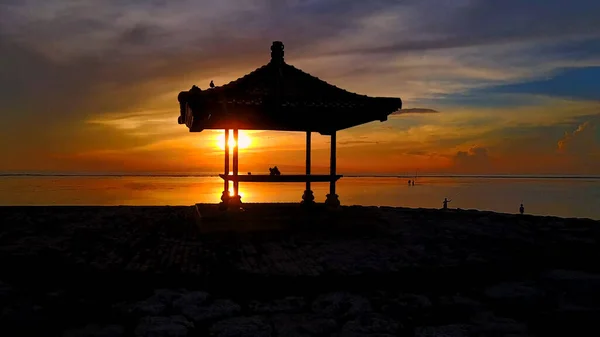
column 191, row 299
column 173, row 326
column 94, row 330
column 287, row 305
column 453, row 330
column 407, row 305
column 486, row 323
column 577, row 287
column 341, row 305
column 219, row 309
column 517, row 292
column 372, row 324
column 255, row 326
column 303, row 325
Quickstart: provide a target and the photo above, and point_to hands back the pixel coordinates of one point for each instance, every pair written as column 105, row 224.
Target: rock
column 194, row 298
column 342, row 305
column 219, row 309
column 288, row 305
column 513, row 291
column 455, row 308
column 147, row 308
column 577, row 287
column 255, row 326
column 487, row 323
column 156, row 305
column 173, row 326
column 168, row 296
column 6, row 292
column 453, row 330
column 406, row 305
column 572, row 277
column 94, row 330
column 303, row 325
column 371, row 324
column 24, row 313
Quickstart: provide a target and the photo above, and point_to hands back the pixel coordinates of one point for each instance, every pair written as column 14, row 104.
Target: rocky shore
column 282, row 270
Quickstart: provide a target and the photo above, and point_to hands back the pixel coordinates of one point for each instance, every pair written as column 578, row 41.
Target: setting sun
column 244, row 140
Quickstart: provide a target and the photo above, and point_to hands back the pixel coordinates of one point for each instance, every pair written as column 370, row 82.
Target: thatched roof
column 278, row 96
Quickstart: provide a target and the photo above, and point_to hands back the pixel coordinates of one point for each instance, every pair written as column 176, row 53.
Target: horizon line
column 352, row 175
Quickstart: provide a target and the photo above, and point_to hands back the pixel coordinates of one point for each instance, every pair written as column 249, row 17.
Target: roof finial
column 277, row 51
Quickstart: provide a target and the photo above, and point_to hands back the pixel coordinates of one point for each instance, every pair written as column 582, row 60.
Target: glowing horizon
column 513, row 96
column 244, row 140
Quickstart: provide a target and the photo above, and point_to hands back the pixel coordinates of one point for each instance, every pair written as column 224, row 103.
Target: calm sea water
column 567, row 197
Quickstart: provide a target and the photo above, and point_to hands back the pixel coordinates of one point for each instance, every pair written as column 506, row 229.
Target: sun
column 243, row 139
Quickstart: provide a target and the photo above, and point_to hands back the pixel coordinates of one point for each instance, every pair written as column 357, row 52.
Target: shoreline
column 521, row 270
column 465, row 211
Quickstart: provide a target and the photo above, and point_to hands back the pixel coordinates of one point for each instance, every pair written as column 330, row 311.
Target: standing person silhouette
column 521, row 209
column 446, row 201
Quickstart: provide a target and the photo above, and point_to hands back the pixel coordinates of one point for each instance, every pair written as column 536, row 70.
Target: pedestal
column 235, row 203
column 332, row 200
column 224, row 200
column 308, row 197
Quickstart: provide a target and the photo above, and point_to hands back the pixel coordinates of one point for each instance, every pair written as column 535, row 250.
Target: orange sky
column 92, row 87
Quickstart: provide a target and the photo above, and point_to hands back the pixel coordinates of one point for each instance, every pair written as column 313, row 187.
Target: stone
column 512, row 291
column 173, row 326
column 303, row 325
column 168, row 296
column 341, row 305
column 147, row 308
column 219, row 309
column 406, row 304
column 453, row 330
column 255, row 326
column 94, row 330
column 456, row 308
column 287, row 304
column 371, row 324
column 578, row 287
column 194, row 298
column 487, row 323
column 6, row 293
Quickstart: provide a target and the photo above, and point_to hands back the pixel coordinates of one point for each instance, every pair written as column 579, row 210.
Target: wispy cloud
column 105, row 75
column 415, row 111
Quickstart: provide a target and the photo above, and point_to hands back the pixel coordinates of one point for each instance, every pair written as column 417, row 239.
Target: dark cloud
column 66, row 61
column 353, row 142
column 443, row 25
column 415, row 111
column 476, row 159
column 583, row 141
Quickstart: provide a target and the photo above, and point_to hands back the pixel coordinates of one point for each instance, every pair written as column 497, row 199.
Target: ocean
column 559, row 196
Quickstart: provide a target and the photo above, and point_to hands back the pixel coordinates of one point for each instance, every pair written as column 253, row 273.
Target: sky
column 91, row 86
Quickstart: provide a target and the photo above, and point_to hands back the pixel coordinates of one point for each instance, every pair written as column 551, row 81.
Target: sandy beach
column 282, row 270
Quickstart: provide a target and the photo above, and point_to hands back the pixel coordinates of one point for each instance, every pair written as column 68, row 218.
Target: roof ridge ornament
column 277, row 52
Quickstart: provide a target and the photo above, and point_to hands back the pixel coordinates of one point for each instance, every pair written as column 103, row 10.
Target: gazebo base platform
column 253, row 217
column 284, row 178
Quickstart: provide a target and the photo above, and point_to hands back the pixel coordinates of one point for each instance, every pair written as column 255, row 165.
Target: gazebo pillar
column 332, row 198
column 308, row 197
column 225, row 195
column 236, row 198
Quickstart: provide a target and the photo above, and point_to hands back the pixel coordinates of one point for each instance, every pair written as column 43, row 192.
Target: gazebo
column 280, row 97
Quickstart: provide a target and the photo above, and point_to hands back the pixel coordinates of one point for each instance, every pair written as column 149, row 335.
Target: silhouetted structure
column 274, row 171
column 278, row 96
column 521, row 209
